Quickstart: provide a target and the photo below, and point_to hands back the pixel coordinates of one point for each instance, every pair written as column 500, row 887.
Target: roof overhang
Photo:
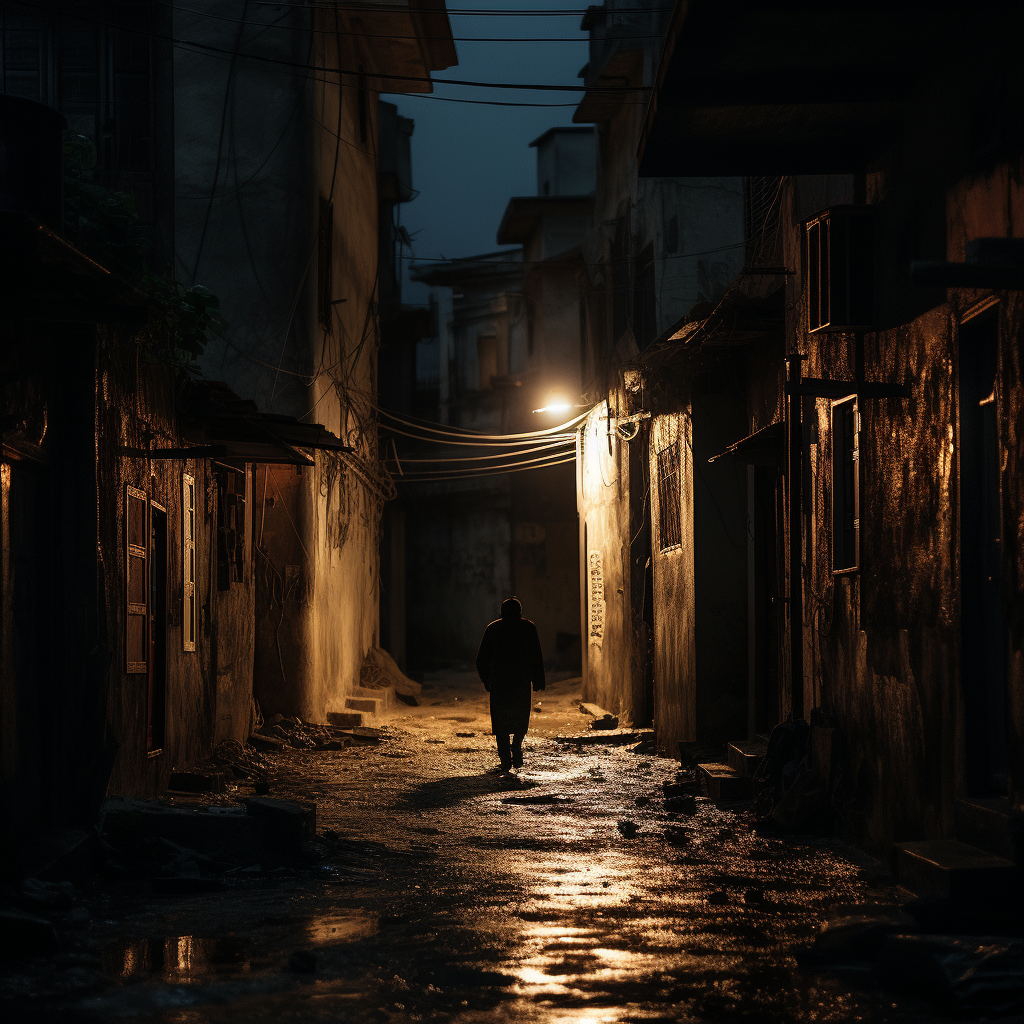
column 749, row 88
column 524, row 214
column 765, row 447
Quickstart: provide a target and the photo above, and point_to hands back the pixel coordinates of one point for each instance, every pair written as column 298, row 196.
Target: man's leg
column 517, row 749
column 504, row 750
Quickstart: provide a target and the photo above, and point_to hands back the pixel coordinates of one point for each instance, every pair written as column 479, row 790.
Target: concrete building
column 507, row 342
column 879, row 411
column 662, row 251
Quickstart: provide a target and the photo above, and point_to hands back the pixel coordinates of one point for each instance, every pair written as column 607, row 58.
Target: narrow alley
column 437, row 889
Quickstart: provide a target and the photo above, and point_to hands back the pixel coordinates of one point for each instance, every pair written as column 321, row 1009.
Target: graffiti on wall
column 595, row 574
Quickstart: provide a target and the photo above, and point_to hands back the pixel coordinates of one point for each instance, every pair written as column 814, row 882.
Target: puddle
column 184, row 959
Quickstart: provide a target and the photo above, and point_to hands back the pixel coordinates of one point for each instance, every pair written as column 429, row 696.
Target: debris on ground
column 685, row 804
column 605, row 722
column 628, row 828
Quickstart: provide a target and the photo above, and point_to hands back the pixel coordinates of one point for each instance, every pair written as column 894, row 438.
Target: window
column 486, row 359
column 840, row 270
column 188, row 561
column 845, row 485
column 670, row 527
column 136, row 582
column 325, row 264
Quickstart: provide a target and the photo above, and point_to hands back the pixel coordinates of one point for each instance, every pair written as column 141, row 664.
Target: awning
column 765, row 447
column 215, row 416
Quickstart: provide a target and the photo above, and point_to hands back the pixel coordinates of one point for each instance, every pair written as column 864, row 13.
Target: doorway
column 982, row 617
column 156, row 701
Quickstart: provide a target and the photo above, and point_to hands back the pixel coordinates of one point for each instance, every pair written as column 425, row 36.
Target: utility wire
column 500, row 455
column 581, row 38
column 473, row 436
column 426, row 478
column 462, row 11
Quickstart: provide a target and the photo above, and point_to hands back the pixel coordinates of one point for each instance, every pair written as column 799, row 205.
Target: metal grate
column 670, row 532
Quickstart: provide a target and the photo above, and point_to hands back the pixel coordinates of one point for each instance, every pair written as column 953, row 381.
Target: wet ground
column 441, row 891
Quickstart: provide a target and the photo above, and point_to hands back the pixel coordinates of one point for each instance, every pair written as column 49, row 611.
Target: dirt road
column 443, row 892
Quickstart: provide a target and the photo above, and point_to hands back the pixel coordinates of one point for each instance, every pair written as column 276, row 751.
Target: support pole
column 795, row 473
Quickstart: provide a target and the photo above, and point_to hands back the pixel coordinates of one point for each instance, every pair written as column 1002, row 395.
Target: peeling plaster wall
column 318, row 570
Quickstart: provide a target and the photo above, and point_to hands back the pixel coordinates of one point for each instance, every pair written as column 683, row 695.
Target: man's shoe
column 517, row 759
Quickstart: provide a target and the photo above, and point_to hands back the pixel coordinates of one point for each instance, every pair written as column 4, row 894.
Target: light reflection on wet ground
column 474, row 910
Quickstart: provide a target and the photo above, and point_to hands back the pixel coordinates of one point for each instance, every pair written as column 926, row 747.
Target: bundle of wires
column 497, row 453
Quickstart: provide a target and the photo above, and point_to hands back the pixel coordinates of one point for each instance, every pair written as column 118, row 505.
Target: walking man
column 508, row 662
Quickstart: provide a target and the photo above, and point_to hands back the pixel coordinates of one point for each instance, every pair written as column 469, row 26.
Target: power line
column 428, row 478
column 499, row 455
column 581, row 38
column 474, row 437
column 461, row 11
column 384, row 77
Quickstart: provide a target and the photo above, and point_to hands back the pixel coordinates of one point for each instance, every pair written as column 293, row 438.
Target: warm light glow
column 556, row 404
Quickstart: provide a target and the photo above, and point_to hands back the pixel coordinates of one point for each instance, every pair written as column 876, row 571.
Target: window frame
column 136, row 609
column 189, row 601
column 842, row 483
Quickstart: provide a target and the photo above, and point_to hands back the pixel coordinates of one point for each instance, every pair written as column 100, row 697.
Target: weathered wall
column 675, row 642
column 292, row 143
column 613, row 676
column 458, row 554
column 208, row 690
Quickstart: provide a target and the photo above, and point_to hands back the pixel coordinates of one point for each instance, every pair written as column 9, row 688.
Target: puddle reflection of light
column 340, row 928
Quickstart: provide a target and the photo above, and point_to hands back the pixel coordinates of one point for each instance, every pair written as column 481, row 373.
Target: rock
column 972, row 975
column 855, row 933
column 302, row 961
column 671, row 789
column 676, row 836
column 629, row 829
column 465, row 735
column 538, row 706
column 24, row 934
column 285, row 820
column 607, row 722
column 642, row 801
column 681, row 804
column 718, row 898
column 433, row 739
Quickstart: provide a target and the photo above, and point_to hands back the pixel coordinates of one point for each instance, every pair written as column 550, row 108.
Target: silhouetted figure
column 509, row 661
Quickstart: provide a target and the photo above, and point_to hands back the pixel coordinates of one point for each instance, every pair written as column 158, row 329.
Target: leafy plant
column 104, row 224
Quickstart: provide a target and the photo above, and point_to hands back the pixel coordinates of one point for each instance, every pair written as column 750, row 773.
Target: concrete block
column 745, row 756
column 953, row 870
column 370, row 705
column 384, row 695
column 593, row 709
column 724, row 784
column 345, row 719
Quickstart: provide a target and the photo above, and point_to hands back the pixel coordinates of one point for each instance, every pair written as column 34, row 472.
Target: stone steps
column 724, row 784
column 950, row 869
column 745, row 756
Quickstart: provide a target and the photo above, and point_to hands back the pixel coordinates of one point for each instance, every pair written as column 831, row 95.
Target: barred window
column 670, row 531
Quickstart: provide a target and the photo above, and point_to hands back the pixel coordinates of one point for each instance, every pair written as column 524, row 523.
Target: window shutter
column 188, row 560
column 136, row 581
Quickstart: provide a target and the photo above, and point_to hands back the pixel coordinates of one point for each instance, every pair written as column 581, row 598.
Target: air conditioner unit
column 840, row 269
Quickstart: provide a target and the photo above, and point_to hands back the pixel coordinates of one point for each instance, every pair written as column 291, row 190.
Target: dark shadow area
column 450, row 792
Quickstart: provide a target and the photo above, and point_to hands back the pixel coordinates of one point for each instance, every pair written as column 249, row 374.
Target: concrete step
column 746, row 755
column 951, row 869
column 984, row 823
column 724, row 784
column 593, row 709
column 345, row 719
column 369, row 705
column 384, row 695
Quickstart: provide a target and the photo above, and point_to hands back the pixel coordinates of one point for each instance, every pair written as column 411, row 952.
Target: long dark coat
column 508, row 662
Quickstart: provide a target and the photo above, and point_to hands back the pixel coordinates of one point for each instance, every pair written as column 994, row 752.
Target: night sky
column 469, row 159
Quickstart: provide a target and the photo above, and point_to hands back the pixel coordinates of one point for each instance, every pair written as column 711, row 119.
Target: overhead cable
column 473, row 437
column 427, row 478
column 497, row 455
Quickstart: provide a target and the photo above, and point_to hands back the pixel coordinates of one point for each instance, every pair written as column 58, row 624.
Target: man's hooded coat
column 508, row 662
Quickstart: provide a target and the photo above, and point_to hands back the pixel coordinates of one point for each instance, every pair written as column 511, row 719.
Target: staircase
column 732, row 781
column 363, row 708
